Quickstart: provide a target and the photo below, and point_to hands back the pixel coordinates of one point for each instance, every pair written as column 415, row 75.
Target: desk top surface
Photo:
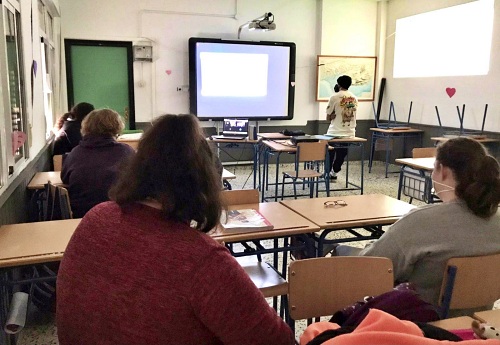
column 284, row 145
column 396, row 130
column 273, row 136
column 285, row 222
column 235, row 141
column 38, row 242
column 481, row 140
column 491, row 317
column 41, row 178
column 418, row 163
column 361, row 210
column 30, row 243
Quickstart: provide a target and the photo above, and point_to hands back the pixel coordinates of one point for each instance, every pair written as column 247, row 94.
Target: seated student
column 466, row 223
column 68, row 128
column 141, row 269
column 90, row 169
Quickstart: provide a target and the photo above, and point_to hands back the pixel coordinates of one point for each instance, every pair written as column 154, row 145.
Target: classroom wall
column 328, row 27
column 426, row 93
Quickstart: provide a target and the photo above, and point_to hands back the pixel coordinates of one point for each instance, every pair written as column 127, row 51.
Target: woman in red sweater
column 141, row 269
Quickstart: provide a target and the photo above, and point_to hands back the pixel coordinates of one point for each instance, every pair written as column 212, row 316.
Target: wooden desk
column 37, row 242
column 370, row 212
column 285, row 221
column 483, row 140
column 286, row 224
column 387, row 135
column 415, row 178
column 273, row 136
column 41, row 178
column 462, row 322
column 491, row 317
column 131, row 139
column 277, row 147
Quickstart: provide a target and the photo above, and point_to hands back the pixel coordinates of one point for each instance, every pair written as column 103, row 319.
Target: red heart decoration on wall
column 168, row 71
column 450, row 91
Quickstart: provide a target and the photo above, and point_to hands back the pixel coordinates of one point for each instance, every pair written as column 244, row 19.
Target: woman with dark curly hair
column 141, row 269
column 68, row 128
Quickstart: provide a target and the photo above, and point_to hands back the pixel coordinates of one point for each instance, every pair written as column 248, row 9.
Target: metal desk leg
column 372, row 152
column 400, row 187
column 348, row 147
column 277, row 174
column 362, row 166
column 387, row 155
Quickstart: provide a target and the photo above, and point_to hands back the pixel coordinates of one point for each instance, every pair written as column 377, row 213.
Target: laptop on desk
column 233, row 129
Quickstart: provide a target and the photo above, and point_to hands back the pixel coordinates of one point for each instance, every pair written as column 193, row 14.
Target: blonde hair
column 103, row 122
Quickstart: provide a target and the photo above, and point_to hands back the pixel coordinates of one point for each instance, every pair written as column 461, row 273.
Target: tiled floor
column 41, row 328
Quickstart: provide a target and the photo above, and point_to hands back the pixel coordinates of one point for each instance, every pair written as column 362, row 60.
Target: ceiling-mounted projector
column 264, row 23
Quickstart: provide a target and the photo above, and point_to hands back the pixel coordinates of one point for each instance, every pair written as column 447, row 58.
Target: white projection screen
column 455, row 41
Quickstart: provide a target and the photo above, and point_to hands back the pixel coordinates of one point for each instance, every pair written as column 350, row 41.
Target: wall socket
column 184, row 88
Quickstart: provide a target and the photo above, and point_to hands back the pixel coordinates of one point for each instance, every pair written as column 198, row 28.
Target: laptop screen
column 238, row 127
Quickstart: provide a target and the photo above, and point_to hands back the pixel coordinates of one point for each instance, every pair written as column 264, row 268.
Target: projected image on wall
column 233, row 75
column 455, row 41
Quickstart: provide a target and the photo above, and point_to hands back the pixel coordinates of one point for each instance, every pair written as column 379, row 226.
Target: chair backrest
column 65, row 203
column 470, row 282
column 311, row 151
column 57, row 160
column 56, row 204
column 240, row 196
column 423, row 152
column 322, row 286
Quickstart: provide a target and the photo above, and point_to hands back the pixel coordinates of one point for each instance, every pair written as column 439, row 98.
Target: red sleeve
column 230, row 305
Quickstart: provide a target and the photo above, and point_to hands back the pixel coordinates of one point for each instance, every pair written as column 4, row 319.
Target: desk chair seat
column 265, row 277
column 470, row 282
column 267, row 280
column 321, row 286
column 315, row 157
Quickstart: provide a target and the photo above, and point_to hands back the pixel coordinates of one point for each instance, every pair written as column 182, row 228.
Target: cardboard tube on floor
column 16, row 318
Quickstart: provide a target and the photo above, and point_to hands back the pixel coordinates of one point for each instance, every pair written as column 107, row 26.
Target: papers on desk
column 246, row 220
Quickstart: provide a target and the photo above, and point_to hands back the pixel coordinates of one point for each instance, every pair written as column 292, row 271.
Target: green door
column 100, row 72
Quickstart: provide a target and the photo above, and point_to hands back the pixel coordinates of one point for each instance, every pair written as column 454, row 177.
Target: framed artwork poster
column 361, row 69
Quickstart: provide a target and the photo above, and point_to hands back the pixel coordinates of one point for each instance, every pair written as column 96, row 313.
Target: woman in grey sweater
column 467, row 223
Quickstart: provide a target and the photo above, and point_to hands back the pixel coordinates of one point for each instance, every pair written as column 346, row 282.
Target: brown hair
column 103, row 122
column 476, row 172
column 78, row 113
column 175, row 166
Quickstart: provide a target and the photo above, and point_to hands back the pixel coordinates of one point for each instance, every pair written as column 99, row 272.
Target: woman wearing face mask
column 466, row 223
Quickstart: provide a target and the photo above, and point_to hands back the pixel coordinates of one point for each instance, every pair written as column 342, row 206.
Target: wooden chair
column 57, row 160
column 315, row 157
column 423, row 152
column 55, row 203
column 267, row 280
column 321, row 286
column 264, row 276
column 470, row 282
column 240, row 196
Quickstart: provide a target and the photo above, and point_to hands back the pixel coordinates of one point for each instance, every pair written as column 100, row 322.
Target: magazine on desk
column 246, row 220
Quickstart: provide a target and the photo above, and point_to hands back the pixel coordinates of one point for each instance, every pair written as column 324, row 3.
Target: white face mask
column 434, row 183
